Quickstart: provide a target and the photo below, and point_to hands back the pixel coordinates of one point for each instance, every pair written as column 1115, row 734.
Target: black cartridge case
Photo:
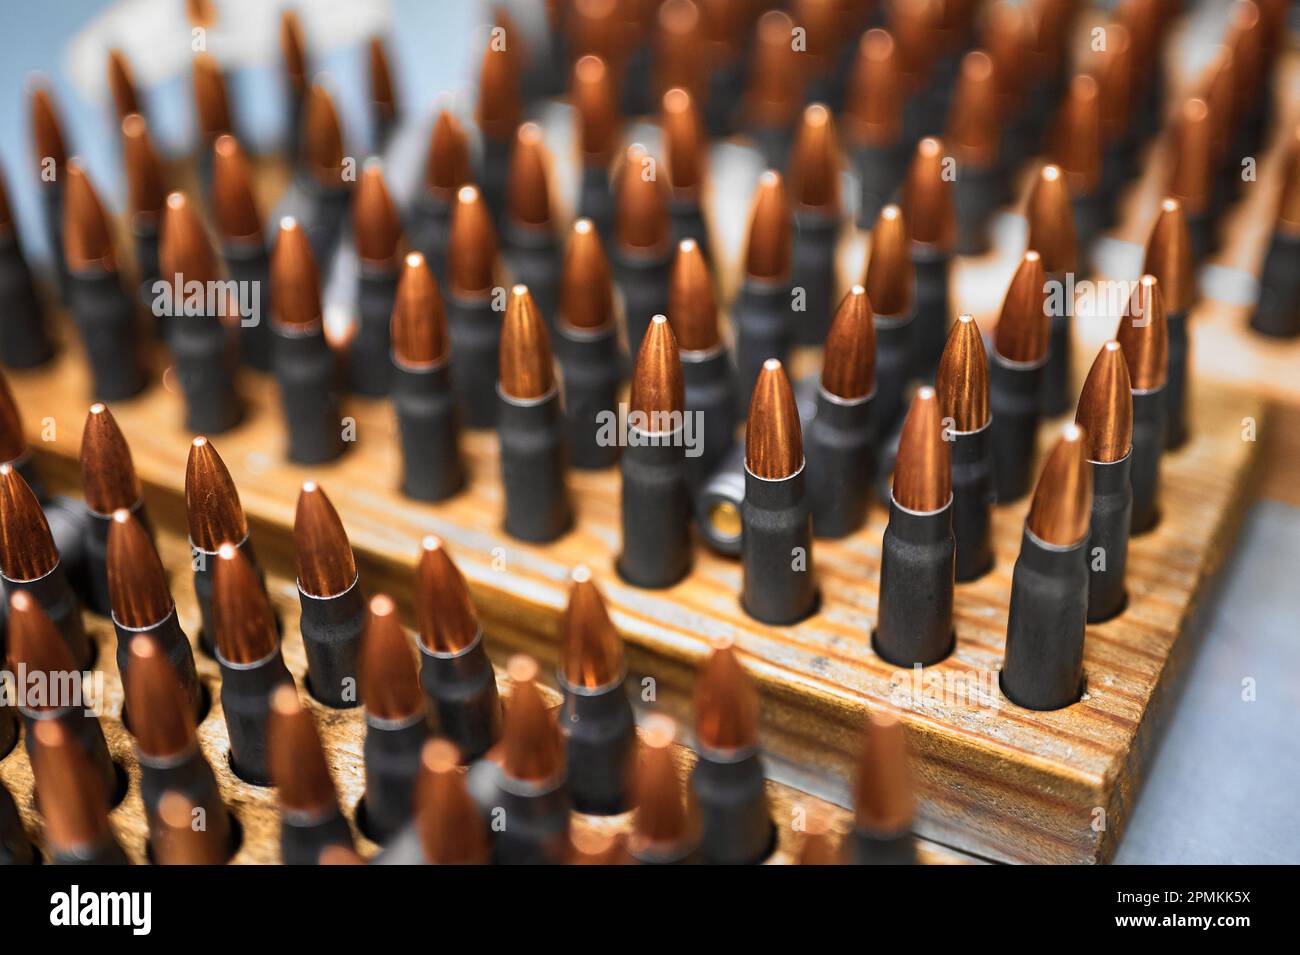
column 1148, row 446
column 931, row 332
column 429, row 230
column 894, row 360
column 249, row 265
column 840, row 464
column 590, row 364
column 462, row 693
column 83, row 726
column 711, row 400
column 533, row 464
column 95, row 560
column 1093, row 215
column 1108, row 530
column 494, row 166
column 15, row 845
column 1056, row 392
column 430, row 431
column 533, row 257
column 171, row 639
column 776, row 550
column 105, row 852
column 331, row 634
column 735, row 822
column 1043, row 666
column 972, row 502
column 596, row 200
column 321, row 213
column 869, row 848
column 977, row 195
column 8, row 732
column 1014, row 390
column 687, row 222
column 246, row 704
column 642, row 280
column 52, row 205
column 369, row 369
column 813, row 270
column 67, row 517
column 1277, row 313
column 1201, row 236
column 55, row 596
column 24, row 342
column 880, row 170
column 308, row 379
column 106, row 318
column 187, row 773
column 474, row 327
column 1176, row 379
column 537, row 814
column 144, row 233
column 917, row 560
column 205, row 368
column 773, row 144
column 763, row 325
column 656, row 510
column 600, row 744
column 718, row 504
column 392, row 757
column 303, row 835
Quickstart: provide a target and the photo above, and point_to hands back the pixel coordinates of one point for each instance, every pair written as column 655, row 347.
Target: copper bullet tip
column 326, row 567
column 211, row 103
column 962, row 382
column 6, row 210
column 1192, row 172
column 678, row 46
column 849, row 365
column 293, row 49
column 641, row 204
column 586, row 289
column 47, row 133
column 927, row 196
column 818, row 846
column 661, row 822
column 419, row 327
column 884, row 801
column 815, row 163
column 594, row 99
column 443, row 609
column 242, row 622
column 768, row 249
column 185, row 249
column 1144, row 336
column 179, row 841
column 383, row 94
column 685, row 141
column 776, row 73
column 12, row 443
column 121, row 84
column 161, row 719
column 390, row 683
column 446, row 166
column 87, row 236
column 137, row 583
column 974, row 122
column 773, row 437
column 1023, row 327
column 527, row 372
column 472, row 245
column 499, row 105
column 922, row 473
column 70, row 793
column 376, row 225
column 34, row 643
column 144, row 175
column 1288, row 209
column 322, row 138
column 1169, row 256
column 875, row 94
column 531, row 747
column 1105, row 410
column 528, row 196
column 449, row 825
column 27, row 550
column 107, row 474
column 212, row 507
column 1077, row 147
column 1051, row 222
column 890, row 280
column 726, row 701
column 591, row 651
column 295, row 279
column 1062, row 506
column 658, row 391
column 295, row 757
column 234, row 203
column 692, row 307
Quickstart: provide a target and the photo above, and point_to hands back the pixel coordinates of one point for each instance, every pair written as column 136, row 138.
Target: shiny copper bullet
column 873, row 122
column 762, row 317
column 211, row 104
column 884, row 800
column 121, row 84
column 309, row 804
column 686, row 150
column 814, row 175
column 499, row 108
column 293, row 55
column 973, row 133
column 595, row 99
column 377, row 234
column 678, row 48
column 1144, row 338
column 49, row 157
column 922, row 478
column 528, row 228
column 72, row 799
column 243, row 243
column 383, row 93
column 1169, row 259
column 931, row 217
column 451, row 830
column 775, row 87
column 1020, row 344
column 178, row 841
column 962, row 386
column 664, row 832
column 473, row 323
column 1052, row 235
column 642, row 251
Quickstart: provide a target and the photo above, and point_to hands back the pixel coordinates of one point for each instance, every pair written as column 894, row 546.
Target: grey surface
column 1223, row 787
